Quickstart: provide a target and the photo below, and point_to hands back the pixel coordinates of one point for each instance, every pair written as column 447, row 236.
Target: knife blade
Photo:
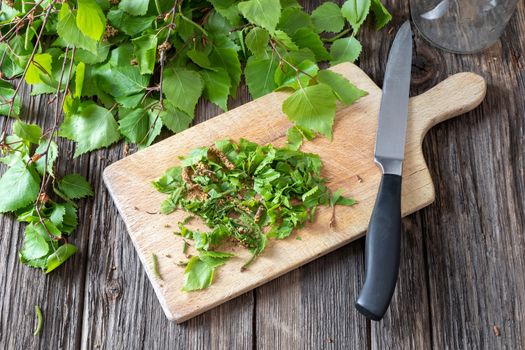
column 382, row 247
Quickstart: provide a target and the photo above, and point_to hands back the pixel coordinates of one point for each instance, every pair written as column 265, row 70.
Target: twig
column 282, row 59
column 13, row 28
column 39, row 36
column 162, row 59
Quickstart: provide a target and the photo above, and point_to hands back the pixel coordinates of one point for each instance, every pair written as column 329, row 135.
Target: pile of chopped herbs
column 244, row 192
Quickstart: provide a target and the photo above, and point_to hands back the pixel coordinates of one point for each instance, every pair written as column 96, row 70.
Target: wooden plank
column 121, row 309
column 475, row 231
column 312, row 307
column 60, row 294
column 129, row 183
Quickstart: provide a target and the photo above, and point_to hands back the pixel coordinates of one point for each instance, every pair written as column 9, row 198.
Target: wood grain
column 348, row 157
column 76, row 307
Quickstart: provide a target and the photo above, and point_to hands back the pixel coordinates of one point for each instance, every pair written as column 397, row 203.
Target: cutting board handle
column 461, row 93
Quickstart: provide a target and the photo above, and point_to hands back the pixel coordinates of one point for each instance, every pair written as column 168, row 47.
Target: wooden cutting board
column 348, row 163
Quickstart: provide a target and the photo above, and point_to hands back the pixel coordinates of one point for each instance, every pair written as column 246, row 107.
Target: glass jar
column 462, row 26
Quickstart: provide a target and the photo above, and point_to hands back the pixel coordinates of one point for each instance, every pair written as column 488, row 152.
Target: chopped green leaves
column 242, row 191
column 39, row 321
column 198, row 275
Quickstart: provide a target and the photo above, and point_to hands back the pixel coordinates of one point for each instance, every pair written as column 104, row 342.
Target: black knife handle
column 382, row 250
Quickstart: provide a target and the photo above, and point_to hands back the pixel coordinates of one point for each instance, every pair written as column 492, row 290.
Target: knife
column 384, row 230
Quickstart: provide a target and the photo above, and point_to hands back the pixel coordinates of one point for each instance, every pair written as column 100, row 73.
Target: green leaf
column 121, row 80
column 35, row 242
column 134, row 7
column 345, row 50
column 128, row 24
column 155, row 127
column 257, row 41
column 175, row 119
column 87, row 57
column 41, row 65
column 328, row 18
column 264, row 13
column 146, row 52
column 293, row 19
column 294, row 138
column 58, row 211
column 289, row 78
column 140, row 126
column 131, row 101
column 75, row 186
column 306, row 37
column 52, row 154
column 183, row 88
column 70, row 219
column 224, row 55
column 285, row 40
column 312, row 108
column 217, row 87
column 69, row 32
column 259, row 74
column 92, row 127
column 27, row 132
column 90, row 19
column 6, row 95
column 198, row 275
column 63, row 253
column 200, row 58
column 345, row 91
column 134, row 124
column 355, row 11
column 381, row 14
column 79, row 79
column 19, row 187
column 228, row 9
column 214, row 259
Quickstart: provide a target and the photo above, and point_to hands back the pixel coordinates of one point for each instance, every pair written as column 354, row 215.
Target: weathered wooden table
column 462, row 267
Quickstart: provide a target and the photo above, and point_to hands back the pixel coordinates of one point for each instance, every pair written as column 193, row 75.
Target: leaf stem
column 191, row 22
column 340, row 35
column 297, row 70
column 157, row 5
column 31, row 57
column 40, row 321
